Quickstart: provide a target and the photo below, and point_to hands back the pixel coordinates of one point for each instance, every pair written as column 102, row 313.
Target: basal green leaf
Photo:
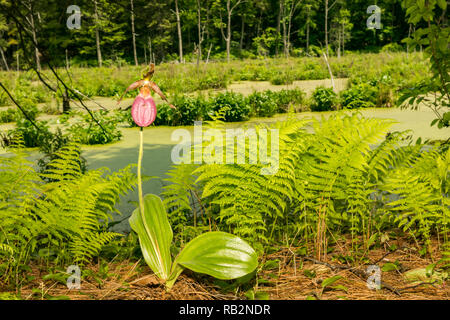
column 155, row 235
column 219, row 254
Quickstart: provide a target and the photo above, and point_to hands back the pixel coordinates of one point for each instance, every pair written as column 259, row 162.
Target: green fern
column 347, row 172
column 422, row 188
column 246, row 199
column 72, row 211
column 181, row 196
column 6, row 249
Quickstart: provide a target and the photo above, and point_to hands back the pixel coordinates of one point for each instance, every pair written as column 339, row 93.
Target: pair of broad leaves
column 219, row 254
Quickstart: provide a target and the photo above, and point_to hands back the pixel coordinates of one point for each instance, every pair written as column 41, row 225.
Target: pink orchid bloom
column 144, row 109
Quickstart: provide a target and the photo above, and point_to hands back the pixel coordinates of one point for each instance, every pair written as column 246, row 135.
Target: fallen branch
column 417, row 285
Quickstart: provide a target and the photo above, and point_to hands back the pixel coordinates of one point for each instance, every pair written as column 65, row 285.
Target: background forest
column 136, row 31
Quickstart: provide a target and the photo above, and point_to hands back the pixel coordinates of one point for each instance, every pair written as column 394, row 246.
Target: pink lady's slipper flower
column 144, row 110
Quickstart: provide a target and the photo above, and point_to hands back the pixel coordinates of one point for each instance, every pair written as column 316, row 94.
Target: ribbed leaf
column 219, row 254
column 155, row 235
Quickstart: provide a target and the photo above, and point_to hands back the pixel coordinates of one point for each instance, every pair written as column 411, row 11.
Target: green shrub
column 324, row 99
column 27, row 134
column 164, row 116
column 282, row 78
column 359, row 96
column 392, row 47
column 314, row 51
column 285, row 98
column 87, row 131
column 29, row 107
column 189, row 109
column 4, row 99
column 8, row 115
column 212, row 82
column 233, row 104
column 385, row 96
column 263, row 104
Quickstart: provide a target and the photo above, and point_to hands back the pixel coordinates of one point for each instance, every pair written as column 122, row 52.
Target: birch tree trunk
column 150, row 49
column 228, row 38
column 133, row 34
column 4, row 59
column 97, row 35
column 283, row 23
column 33, row 31
column 180, row 38
column 326, row 26
column 329, row 70
column 230, row 10
column 200, row 34
column 294, row 5
column 278, row 29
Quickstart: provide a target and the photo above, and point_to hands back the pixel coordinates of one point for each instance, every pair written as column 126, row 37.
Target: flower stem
column 141, row 152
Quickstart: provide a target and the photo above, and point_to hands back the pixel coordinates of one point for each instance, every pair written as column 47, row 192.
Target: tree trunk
column 180, row 38
column 67, row 60
column 409, row 36
column 339, row 43
column 258, row 29
column 241, row 43
column 18, row 62
column 200, row 35
column 4, row 59
column 209, row 53
column 307, row 31
column 283, row 17
column 150, row 49
column 228, row 38
column 329, row 70
column 133, row 33
column 326, row 26
column 66, row 102
column 278, row 29
column 97, row 36
column 145, row 54
column 291, row 13
column 33, row 31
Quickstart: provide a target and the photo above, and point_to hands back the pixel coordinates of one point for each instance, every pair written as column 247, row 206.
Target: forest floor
column 294, row 278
